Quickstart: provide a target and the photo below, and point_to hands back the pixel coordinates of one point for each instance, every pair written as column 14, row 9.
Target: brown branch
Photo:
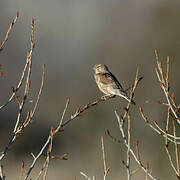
column 8, row 32
column 61, row 125
column 48, row 154
column 121, row 122
column 113, row 138
column 147, row 170
column 165, row 133
column 27, row 86
column 63, row 157
column 137, row 152
column 104, row 159
column 131, row 151
column 28, row 64
column 16, row 88
column 164, row 84
column 18, row 128
column 160, row 131
column 132, row 90
column 80, row 111
column 167, row 126
column 128, row 149
column 31, row 113
column 176, row 149
column 170, row 160
column 1, row 172
column 40, row 92
column 106, row 170
column 22, row 171
column 86, row 176
column 26, row 92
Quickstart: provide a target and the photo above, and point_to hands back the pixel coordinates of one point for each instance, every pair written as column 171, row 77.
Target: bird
column 108, row 83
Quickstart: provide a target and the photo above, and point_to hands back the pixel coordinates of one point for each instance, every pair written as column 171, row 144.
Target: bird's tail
column 127, row 98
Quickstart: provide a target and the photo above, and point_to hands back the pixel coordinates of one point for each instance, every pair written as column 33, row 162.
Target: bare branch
column 80, row 111
column 131, row 151
column 128, row 149
column 60, row 126
column 164, row 84
column 106, row 170
column 160, row 131
column 170, row 160
column 27, row 86
column 8, row 31
column 137, row 152
column 22, row 171
column 176, row 149
column 1, row 172
column 83, row 174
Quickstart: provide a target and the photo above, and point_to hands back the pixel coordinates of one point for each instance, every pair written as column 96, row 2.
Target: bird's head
column 99, row 68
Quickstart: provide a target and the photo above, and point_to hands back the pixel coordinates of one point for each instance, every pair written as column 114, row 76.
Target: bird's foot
column 104, row 97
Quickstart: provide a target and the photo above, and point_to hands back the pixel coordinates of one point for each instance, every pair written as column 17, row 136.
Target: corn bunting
column 108, row 83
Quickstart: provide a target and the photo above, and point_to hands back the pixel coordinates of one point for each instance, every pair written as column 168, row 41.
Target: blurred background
column 70, row 37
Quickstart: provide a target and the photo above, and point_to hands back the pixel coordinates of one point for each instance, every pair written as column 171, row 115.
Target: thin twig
column 170, row 160
column 48, row 154
column 48, row 141
column 176, row 149
column 106, row 170
column 31, row 113
column 29, row 55
column 161, row 132
column 164, row 83
column 78, row 113
column 8, row 31
column 22, row 171
column 132, row 90
column 18, row 128
column 121, row 122
column 147, row 170
column 1, row 172
column 28, row 62
column 52, row 133
column 131, row 151
column 167, row 126
column 62, row 117
column 63, row 157
column 128, row 149
column 135, row 171
column 37, row 157
column 15, row 89
column 104, row 159
column 169, row 135
column 40, row 91
column 27, row 86
column 26, row 91
column 137, row 152
column 83, row 174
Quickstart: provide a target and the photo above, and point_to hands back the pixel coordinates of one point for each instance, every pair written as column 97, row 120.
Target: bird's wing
column 114, row 79
column 110, row 80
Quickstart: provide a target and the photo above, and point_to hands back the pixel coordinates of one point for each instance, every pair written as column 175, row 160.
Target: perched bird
column 108, row 83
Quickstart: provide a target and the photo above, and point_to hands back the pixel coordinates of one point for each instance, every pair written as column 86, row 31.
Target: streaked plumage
column 108, row 83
